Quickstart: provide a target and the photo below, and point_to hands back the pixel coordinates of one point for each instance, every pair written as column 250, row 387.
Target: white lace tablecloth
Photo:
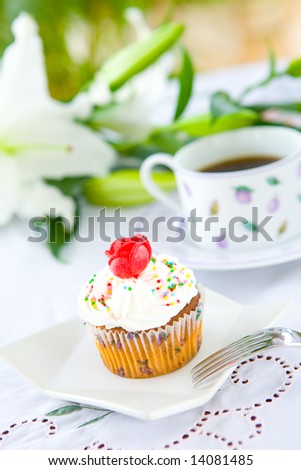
column 258, row 407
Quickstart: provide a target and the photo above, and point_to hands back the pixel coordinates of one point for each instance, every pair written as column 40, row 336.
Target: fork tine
column 231, row 347
column 228, row 361
column 228, row 358
column 227, row 354
column 225, row 364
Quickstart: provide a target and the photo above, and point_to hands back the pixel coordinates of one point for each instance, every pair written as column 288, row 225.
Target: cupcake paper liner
column 154, row 352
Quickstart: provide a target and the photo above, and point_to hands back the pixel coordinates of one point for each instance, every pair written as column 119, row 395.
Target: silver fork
column 243, row 348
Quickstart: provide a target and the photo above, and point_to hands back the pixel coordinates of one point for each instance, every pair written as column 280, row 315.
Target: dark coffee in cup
column 244, row 162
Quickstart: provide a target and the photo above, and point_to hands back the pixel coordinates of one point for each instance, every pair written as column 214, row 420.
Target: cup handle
column 148, row 182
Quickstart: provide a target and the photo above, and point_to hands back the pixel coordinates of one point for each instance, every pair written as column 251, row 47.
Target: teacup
column 235, row 210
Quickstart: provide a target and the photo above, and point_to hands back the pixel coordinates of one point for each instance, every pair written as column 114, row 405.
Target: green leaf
column 282, row 106
column 251, row 227
column 185, row 78
column 158, row 141
column 273, row 181
column 294, row 68
column 136, row 57
column 221, row 104
column 58, row 235
column 244, row 188
column 65, row 410
column 71, row 186
column 124, row 188
column 299, row 197
column 95, row 420
column 202, row 125
column 60, row 232
column 166, row 141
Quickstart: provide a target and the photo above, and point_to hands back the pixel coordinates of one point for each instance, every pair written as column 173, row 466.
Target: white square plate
column 64, row 363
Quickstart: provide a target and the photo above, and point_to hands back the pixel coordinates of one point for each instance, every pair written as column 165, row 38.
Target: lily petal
column 23, row 80
column 39, row 198
column 63, row 148
column 38, row 137
column 9, row 189
column 137, row 102
column 136, row 19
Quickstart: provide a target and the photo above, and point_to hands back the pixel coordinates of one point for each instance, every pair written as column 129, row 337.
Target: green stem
column 260, row 84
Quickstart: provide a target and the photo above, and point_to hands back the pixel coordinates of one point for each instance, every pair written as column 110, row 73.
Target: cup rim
column 240, row 173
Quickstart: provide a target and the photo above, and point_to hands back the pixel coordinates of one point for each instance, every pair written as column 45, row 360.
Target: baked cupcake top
column 136, row 290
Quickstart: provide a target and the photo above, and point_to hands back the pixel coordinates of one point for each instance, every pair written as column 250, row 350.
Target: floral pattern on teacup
column 222, row 241
column 187, row 189
column 273, row 181
column 250, row 226
column 283, row 227
column 214, row 208
column 243, row 194
column 273, row 205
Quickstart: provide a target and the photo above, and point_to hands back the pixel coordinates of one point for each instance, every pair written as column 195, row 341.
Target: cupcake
column 145, row 311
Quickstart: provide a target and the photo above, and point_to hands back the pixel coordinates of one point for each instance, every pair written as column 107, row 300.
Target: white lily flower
column 38, row 136
column 135, row 107
column 135, row 18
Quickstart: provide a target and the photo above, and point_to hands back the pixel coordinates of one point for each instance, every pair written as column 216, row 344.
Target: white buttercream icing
column 150, row 301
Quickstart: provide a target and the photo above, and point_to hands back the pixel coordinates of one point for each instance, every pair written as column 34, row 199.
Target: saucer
column 64, row 363
column 200, row 258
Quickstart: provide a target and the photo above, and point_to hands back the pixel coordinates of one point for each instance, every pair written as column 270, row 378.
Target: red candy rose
column 128, row 257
